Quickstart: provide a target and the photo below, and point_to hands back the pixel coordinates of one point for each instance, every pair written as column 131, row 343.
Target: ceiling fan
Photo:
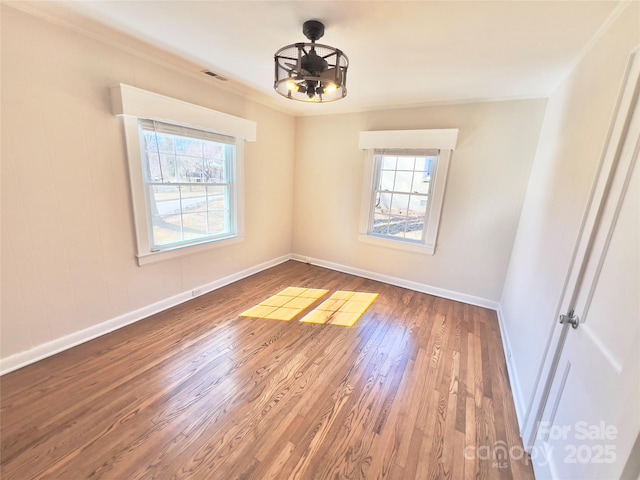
column 311, row 72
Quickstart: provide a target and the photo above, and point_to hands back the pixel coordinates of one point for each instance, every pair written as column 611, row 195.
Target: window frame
column 378, row 161
column 133, row 104
column 231, row 180
column 408, row 142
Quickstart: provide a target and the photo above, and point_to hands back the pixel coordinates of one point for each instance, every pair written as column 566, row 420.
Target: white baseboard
column 399, row 282
column 45, row 350
column 513, row 377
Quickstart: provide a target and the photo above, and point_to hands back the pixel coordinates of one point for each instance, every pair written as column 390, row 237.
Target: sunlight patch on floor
column 286, row 304
column 342, row 308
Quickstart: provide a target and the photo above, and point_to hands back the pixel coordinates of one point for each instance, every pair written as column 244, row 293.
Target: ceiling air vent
column 214, row 75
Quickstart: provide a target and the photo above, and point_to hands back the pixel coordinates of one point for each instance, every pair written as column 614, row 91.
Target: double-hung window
column 190, row 180
column 403, row 188
column 186, row 173
column 401, row 191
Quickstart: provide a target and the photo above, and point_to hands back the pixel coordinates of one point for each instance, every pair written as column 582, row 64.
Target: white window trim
column 134, row 103
column 442, row 139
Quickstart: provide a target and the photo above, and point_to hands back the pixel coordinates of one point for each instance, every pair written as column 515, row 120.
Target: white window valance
column 136, row 102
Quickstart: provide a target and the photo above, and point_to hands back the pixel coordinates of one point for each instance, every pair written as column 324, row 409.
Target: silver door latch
column 572, row 319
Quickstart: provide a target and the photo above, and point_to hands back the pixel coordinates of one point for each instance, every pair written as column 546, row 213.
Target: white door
column 591, row 416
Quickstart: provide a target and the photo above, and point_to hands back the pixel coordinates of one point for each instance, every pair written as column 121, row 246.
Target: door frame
column 604, row 202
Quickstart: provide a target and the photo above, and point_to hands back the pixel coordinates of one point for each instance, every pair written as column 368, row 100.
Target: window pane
column 150, row 141
column 384, row 202
column 219, row 211
column 388, row 163
column 188, row 146
column 213, row 150
column 399, row 203
column 423, row 164
column 380, row 223
column 167, row 229
column 218, row 222
column 403, row 181
column 387, row 179
column 406, row 163
column 397, row 225
column 417, row 205
column 165, row 143
column 214, row 170
column 415, row 227
column 420, row 185
column 194, row 198
column 217, row 198
column 194, row 225
column 164, row 199
column 154, row 172
column 189, row 169
column 168, row 167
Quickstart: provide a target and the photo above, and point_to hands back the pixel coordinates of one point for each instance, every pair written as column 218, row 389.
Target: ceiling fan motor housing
column 314, row 63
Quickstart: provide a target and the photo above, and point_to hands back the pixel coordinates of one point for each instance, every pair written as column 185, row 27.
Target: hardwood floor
column 416, row 390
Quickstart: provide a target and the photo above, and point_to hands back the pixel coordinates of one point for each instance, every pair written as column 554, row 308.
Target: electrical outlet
column 509, row 354
column 196, row 292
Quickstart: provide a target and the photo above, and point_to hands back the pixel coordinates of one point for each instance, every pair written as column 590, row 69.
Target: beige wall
column 68, row 241
column 571, row 144
column 487, row 179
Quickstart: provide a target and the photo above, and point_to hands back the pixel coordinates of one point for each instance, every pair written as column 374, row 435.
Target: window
column 186, row 173
column 401, row 191
column 403, row 188
column 190, row 182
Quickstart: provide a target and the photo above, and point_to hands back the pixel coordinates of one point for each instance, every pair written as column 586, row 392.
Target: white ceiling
column 401, row 52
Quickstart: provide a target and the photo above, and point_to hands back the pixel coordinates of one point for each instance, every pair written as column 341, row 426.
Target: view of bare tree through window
column 402, row 189
column 188, row 182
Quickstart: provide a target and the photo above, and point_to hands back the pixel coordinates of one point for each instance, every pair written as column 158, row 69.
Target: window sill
column 397, row 244
column 155, row 257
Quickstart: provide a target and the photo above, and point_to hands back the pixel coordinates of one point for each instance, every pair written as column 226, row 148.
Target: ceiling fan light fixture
column 292, row 86
column 311, row 72
column 330, row 88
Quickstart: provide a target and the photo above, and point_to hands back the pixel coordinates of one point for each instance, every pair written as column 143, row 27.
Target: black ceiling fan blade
column 330, row 75
column 294, row 68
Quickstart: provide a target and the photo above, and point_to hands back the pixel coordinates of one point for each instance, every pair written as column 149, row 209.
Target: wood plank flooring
column 416, row 390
